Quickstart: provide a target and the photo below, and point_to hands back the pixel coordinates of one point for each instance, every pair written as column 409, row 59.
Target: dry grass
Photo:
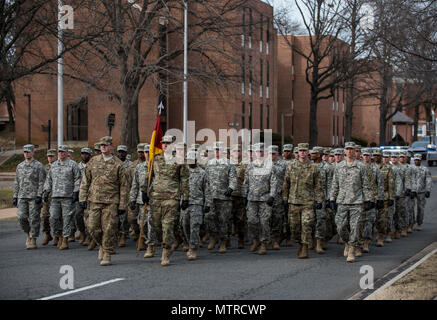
column 6, row 198
column 419, row 284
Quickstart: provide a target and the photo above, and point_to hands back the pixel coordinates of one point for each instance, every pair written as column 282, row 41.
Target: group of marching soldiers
column 197, row 196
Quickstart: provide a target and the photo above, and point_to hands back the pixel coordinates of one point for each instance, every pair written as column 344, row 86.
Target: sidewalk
column 9, row 214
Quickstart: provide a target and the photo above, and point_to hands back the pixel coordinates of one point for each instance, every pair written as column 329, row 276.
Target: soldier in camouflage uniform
column 45, row 211
column 331, row 228
column 82, row 214
column 321, row 214
column 302, row 193
column 62, row 184
column 97, row 151
column 410, row 202
column 403, row 190
column 239, row 216
column 169, row 185
column 421, row 188
column 287, row 154
column 278, row 212
column 222, row 181
column 350, row 188
column 28, row 188
column 138, row 176
column 409, row 216
column 104, row 186
column 191, row 218
column 376, row 184
column 382, row 217
column 259, row 189
column 331, row 158
column 123, row 226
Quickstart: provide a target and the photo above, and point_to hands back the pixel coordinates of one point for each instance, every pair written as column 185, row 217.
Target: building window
column 261, row 116
column 243, row 110
column 267, row 92
column 242, row 40
column 267, row 48
column 250, row 28
column 268, row 79
column 333, row 105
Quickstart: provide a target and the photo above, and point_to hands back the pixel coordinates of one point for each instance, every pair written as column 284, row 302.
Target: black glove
column 121, row 212
column 15, row 201
column 367, row 205
column 413, row 195
column 144, row 197
column 270, row 201
column 285, row 203
column 427, row 194
column 333, row 205
column 391, row 202
column 228, row 192
column 245, row 201
column 397, row 198
column 75, row 196
column 83, row 204
column 407, row 192
column 373, row 205
column 184, row 205
column 132, row 205
column 319, row 205
column 206, row 209
column 379, row 204
column 38, row 200
column 46, row 197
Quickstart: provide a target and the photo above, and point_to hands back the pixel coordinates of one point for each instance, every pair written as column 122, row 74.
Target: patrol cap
column 167, row 139
column 318, row 150
column 296, row 149
column 257, row 147
column 338, row 151
column 409, row 154
column 273, row 149
column 62, row 148
column 303, row 146
column 146, row 147
column 122, row 148
column 191, row 155
column 367, row 152
column 386, row 154
column 106, row 141
column 418, row 156
column 28, row 148
column 349, row 145
column 313, row 151
column 358, row 147
column 140, row 147
column 218, row 145
column 326, row 150
column 86, row 150
column 403, row 154
column 97, row 146
column 377, row 152
column 71, row 151
column 51, row 152
column 332, row 153
column 236, row 147
column 395, row 154
column 287, row 147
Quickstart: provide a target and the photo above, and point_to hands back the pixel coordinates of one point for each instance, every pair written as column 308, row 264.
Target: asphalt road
column 238, row 274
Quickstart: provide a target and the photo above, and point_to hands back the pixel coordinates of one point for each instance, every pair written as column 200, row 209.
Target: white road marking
column 403, row 273
column 82, row 289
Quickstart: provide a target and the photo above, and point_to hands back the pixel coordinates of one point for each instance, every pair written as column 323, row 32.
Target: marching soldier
column 191, row 218
column 350, row 188
column 62, row 184
column 302, row 193
column 82, row 214
column 104, row 186
column 97, row 151
column 403, row 190
column 296, row 154
column 45, row 211
column 409, row 208
column 123, row 227
column 331, row 228
column 259, row 191
column 331, row 158
column 222, row 181
column 422, row 184
column 287, row 154
column 28, row 188
column 388, row 177
column 169, row 185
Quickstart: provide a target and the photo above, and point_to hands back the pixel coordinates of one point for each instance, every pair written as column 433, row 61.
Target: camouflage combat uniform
column 421, row 184
column 104, row 186
column 350, row 188
column 402, row 184
column 382, row 218
column 62, row 180
column 81, row 215
column 123, row 225
column 278, row 210
column 409, row 203
column 331, row 228
column 28, row 185
column 45, row 210
column 260, row 183
column 239, row 217
column 139, row 180
column 302, row 186
column 322, row 214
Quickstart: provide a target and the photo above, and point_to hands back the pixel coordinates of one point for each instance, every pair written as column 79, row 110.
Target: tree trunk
column 313, row 120
column 416, row 123
column 129, row 121
column 349, row 115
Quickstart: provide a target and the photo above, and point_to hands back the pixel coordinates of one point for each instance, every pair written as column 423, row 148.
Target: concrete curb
column 396, row 273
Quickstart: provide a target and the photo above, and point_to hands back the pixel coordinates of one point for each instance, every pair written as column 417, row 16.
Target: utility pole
column 29, row 113
column 283, row 115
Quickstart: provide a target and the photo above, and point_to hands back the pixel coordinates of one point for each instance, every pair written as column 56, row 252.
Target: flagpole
column 185, row 70
column 60, row 82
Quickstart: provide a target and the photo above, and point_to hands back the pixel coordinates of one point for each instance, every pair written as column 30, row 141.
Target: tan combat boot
column 397, row 235
column 205, row 238
column 174, row 247
column 357, row 251
column 165, row 261
column 106, row 259
column 340, row 240
column 263, row 249
column 419, row 227
column 319, row 248
column 191, row 254
column 71, row 239
column 388, row 238
column 241, row 243
column 276, row 245
column 185, row 247
column 56, row 240
column 404, row 233
column 212, row 243
column 299, row 249
column 150, row 251
column 86, row 242
column 100, row 253
column 380, row 242
column 32, row 243
column 141, row 245
column 47, row 239
column 222, row 248
column 61, row 241
column 304, row 252
column 410, row 228
column 366, row 245
column 92, row 244
column 122, row 240
column 64, row 245
column 350, row 254
column 346, row 250
column 82, row 238
column 255, row 245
